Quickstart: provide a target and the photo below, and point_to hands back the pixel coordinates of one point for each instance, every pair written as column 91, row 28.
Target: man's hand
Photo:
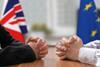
column 39, row 46
column 69, row 48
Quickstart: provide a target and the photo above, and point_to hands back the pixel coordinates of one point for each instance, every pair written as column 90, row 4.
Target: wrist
column 34, row 49
column 76, row 54
column 73, row 55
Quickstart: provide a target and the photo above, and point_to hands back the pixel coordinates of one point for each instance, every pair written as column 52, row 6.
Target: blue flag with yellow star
column 88, row 26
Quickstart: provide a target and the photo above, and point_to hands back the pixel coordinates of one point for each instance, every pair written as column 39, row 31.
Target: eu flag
column 88, row 21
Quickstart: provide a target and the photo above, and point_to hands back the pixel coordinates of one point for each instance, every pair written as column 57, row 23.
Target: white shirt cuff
column 87, row 55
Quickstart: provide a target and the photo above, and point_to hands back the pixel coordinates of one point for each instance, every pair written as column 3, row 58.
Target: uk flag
column 13, row 19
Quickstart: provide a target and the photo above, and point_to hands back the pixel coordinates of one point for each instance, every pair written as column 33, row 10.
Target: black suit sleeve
column 13, row 52
column 5, row 38
column 16, row 54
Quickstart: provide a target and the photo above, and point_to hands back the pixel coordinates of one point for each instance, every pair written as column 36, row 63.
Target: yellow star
column 93, row 33
column 88, row 6
column 98, row 19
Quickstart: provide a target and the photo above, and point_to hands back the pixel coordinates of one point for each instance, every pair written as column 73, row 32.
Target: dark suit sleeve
column 5, row 38
column 15, row 55
column 13, row 52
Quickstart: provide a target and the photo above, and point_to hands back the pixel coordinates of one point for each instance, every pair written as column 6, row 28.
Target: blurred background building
column 51, row 19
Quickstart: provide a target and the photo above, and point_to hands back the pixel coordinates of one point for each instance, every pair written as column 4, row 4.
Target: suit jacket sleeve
column 5, row 38
column 13, row 52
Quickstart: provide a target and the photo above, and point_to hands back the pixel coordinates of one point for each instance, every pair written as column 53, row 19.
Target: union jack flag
column 13, row 19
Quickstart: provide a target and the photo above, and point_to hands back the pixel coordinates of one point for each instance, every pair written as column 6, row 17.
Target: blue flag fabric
column 88, row 26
